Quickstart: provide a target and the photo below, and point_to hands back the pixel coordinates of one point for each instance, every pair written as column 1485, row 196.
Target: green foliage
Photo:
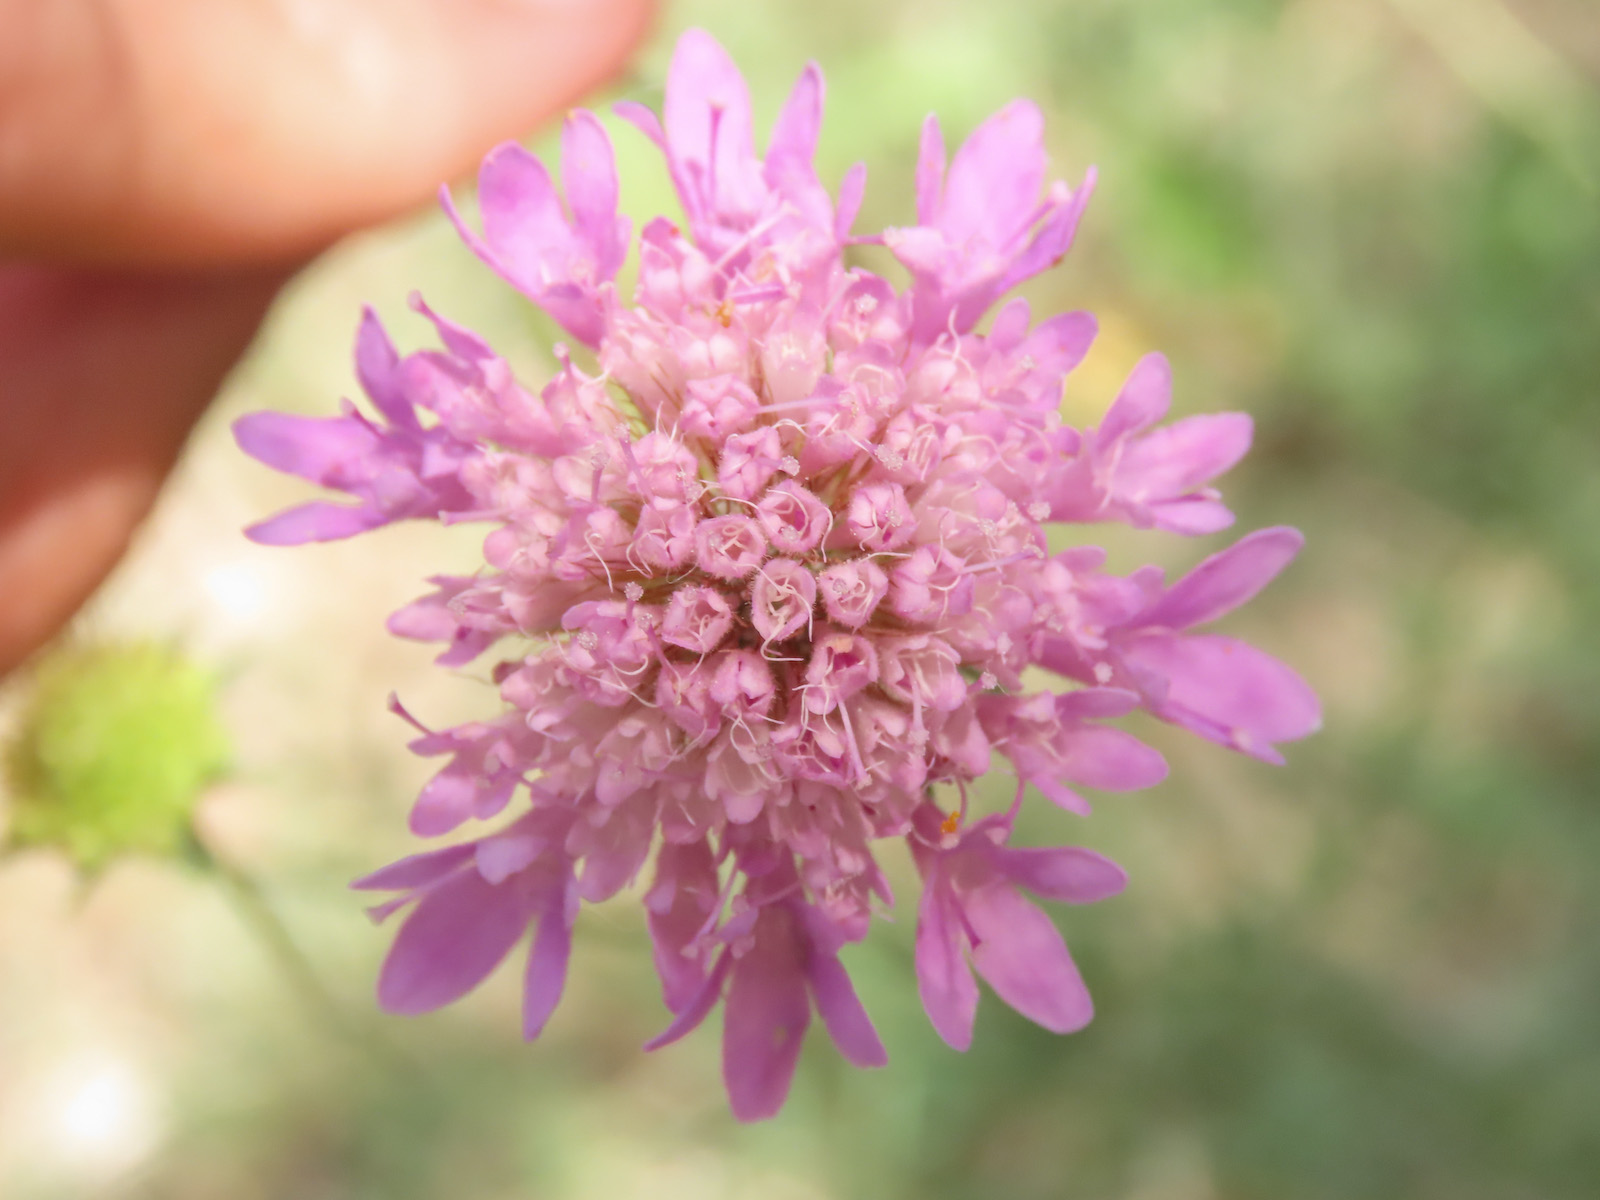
column 116, row 746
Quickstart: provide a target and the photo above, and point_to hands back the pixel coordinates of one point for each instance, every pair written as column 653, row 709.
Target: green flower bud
column 114, row 749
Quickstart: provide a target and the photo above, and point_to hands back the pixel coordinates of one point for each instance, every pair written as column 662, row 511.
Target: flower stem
column 256, row 911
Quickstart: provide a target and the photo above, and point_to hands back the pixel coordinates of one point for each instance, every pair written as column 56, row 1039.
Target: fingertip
column 258, row 138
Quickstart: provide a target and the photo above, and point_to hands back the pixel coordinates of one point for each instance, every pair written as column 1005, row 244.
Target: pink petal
column 699, row 1006
column 1180, row 457
column 1054, row 238
column 1060, row 343
column 430, row 619
column 447, row 799
column 589, row 175
column 527, row 240
column 846, row 1020
column 1143, row 400
column 318, row 521
column 417, row 871
column 704, row 92
column 788, row 170
column 678, row 906
column 930, row 171
column 378, row 369
column 425, row 619
column 460, row 341
column 1100, row 757
column 466, row 646
column 996, row 176
column 944, row 981
column 523, row 222
column 1068, row 873
column 1021, row 954
column 455, row 936
column 1191, row 516
column 1059, row 794
column 547, row 961
column 644, row 120
column 1230, row 692
column 1224, row 581
column 922, row 249
column 616, row 851
column 510, row 852
column 851, row 190
column 337, row 452
column 1093, row 702
column 508, row 271
column 1010, row 326
column 794, row 134
column 764, row 1020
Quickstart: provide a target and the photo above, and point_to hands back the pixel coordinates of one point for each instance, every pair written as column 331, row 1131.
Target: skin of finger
column 203, row 132
column 104, row 373
column 207, row 136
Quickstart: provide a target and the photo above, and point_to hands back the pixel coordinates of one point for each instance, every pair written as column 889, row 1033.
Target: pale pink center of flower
column 794, row 519
column 842, row 664
column 851, row 591
column 697, row 619
column 879, row 517
column 730, row 547
column 782, row 599
column 930, row 585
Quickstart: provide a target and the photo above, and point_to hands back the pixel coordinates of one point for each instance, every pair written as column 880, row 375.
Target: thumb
column 185, row 154
column 202, row 132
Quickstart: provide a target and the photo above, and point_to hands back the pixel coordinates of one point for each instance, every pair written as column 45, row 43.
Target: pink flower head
column 775, row 583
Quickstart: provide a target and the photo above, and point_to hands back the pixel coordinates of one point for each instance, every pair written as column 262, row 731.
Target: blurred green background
column 1374, row 224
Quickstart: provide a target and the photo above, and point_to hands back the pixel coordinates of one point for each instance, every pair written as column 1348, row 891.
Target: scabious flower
column 767, row 577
